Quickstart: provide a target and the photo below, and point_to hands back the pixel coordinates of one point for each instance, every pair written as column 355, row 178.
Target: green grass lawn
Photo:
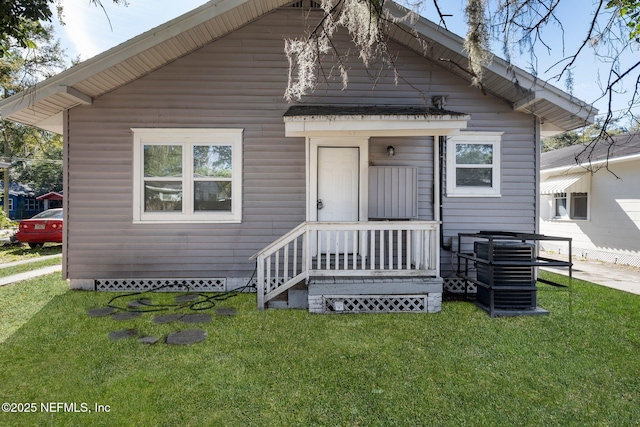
column 34, row 265
column 19, row 252
column 578, row 366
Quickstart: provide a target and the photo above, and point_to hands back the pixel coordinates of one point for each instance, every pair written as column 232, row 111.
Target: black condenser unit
column 508, row 273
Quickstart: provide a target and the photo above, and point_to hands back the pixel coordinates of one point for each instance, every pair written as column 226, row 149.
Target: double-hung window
column 573, row 207
column 560, row 205
column 187, row 175
column 579, row 206
column 473, row 165
column 32, row 204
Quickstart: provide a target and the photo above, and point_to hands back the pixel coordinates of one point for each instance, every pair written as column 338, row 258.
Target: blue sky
column 89, row 32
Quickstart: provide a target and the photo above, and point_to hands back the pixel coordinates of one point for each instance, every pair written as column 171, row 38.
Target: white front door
column 338, row 196
column 338, row 184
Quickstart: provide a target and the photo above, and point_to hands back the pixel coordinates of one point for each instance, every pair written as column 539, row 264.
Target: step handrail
column 277, row 244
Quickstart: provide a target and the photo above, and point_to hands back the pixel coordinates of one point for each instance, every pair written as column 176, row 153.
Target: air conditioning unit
column 508, row 274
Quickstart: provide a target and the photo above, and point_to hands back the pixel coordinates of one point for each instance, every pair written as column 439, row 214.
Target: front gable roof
column 42, row 105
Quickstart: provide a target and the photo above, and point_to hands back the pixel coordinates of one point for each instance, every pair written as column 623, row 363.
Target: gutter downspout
column 439, row 187
column 538, row 147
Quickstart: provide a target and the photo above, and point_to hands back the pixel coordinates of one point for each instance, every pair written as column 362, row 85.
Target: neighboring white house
column 599, row 210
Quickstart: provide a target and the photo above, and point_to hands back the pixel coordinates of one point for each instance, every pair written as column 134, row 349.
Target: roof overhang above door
column 370, row 121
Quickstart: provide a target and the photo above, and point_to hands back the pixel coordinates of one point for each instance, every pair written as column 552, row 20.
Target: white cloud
column 88, row 31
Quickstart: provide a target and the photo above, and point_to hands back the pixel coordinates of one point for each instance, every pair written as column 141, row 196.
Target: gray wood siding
column 238, row 82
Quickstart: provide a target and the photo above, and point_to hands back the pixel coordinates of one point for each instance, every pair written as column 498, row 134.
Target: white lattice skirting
column 457, row 285
column 430, row 303
column 162, row 285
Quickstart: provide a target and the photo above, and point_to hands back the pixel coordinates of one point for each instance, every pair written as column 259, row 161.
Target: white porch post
column 436, row 201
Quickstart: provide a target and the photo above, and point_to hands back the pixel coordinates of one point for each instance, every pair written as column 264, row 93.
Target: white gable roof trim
column 42, row 105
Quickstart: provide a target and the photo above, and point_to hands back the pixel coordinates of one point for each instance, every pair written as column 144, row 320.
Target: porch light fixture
column 391, row 151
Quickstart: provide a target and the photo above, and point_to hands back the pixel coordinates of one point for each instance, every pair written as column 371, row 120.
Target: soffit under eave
column 42, row 102
column 567, row 116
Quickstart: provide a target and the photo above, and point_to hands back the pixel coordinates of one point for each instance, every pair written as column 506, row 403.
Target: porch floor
column 371, row 285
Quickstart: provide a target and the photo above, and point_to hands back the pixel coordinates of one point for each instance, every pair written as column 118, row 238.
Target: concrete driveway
column 621, row 277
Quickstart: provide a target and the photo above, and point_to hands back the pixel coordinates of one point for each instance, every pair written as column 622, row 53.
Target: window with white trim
column 32, row 204
column 560, row 205
column 575, row 206
column 187, row 175
column 473, row 165
column 579, row 206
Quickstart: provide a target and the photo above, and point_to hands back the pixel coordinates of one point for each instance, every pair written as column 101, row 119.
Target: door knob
column 319, row 204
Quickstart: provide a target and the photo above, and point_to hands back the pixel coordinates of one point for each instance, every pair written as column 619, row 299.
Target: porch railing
column 380, row 248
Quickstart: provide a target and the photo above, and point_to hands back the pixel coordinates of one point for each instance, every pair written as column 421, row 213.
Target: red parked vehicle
column 42, row 228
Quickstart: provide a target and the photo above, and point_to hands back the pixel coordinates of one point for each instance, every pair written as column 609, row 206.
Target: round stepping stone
column 196, row 318
column 139, row 303
column 190, row 336
column 187, row 298
column 148, row 340
column 125, row 315
column 123, row 333
column 101, row 311
column 166, row 318
column 224, row 311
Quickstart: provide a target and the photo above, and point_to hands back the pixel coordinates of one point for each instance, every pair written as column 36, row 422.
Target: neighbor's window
column 578, row 206
column 573, row 207
column 32, row 204
column 188, row 175
column 473, row 165
column 560, row 205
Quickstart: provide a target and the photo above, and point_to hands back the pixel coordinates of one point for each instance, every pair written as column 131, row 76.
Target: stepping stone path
column 196, row 318
column 167, row 318
column 139, row 303
column 123, row 333
column 126, row 315
column 148, row 340
column 185, row 337
column 190, row 336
